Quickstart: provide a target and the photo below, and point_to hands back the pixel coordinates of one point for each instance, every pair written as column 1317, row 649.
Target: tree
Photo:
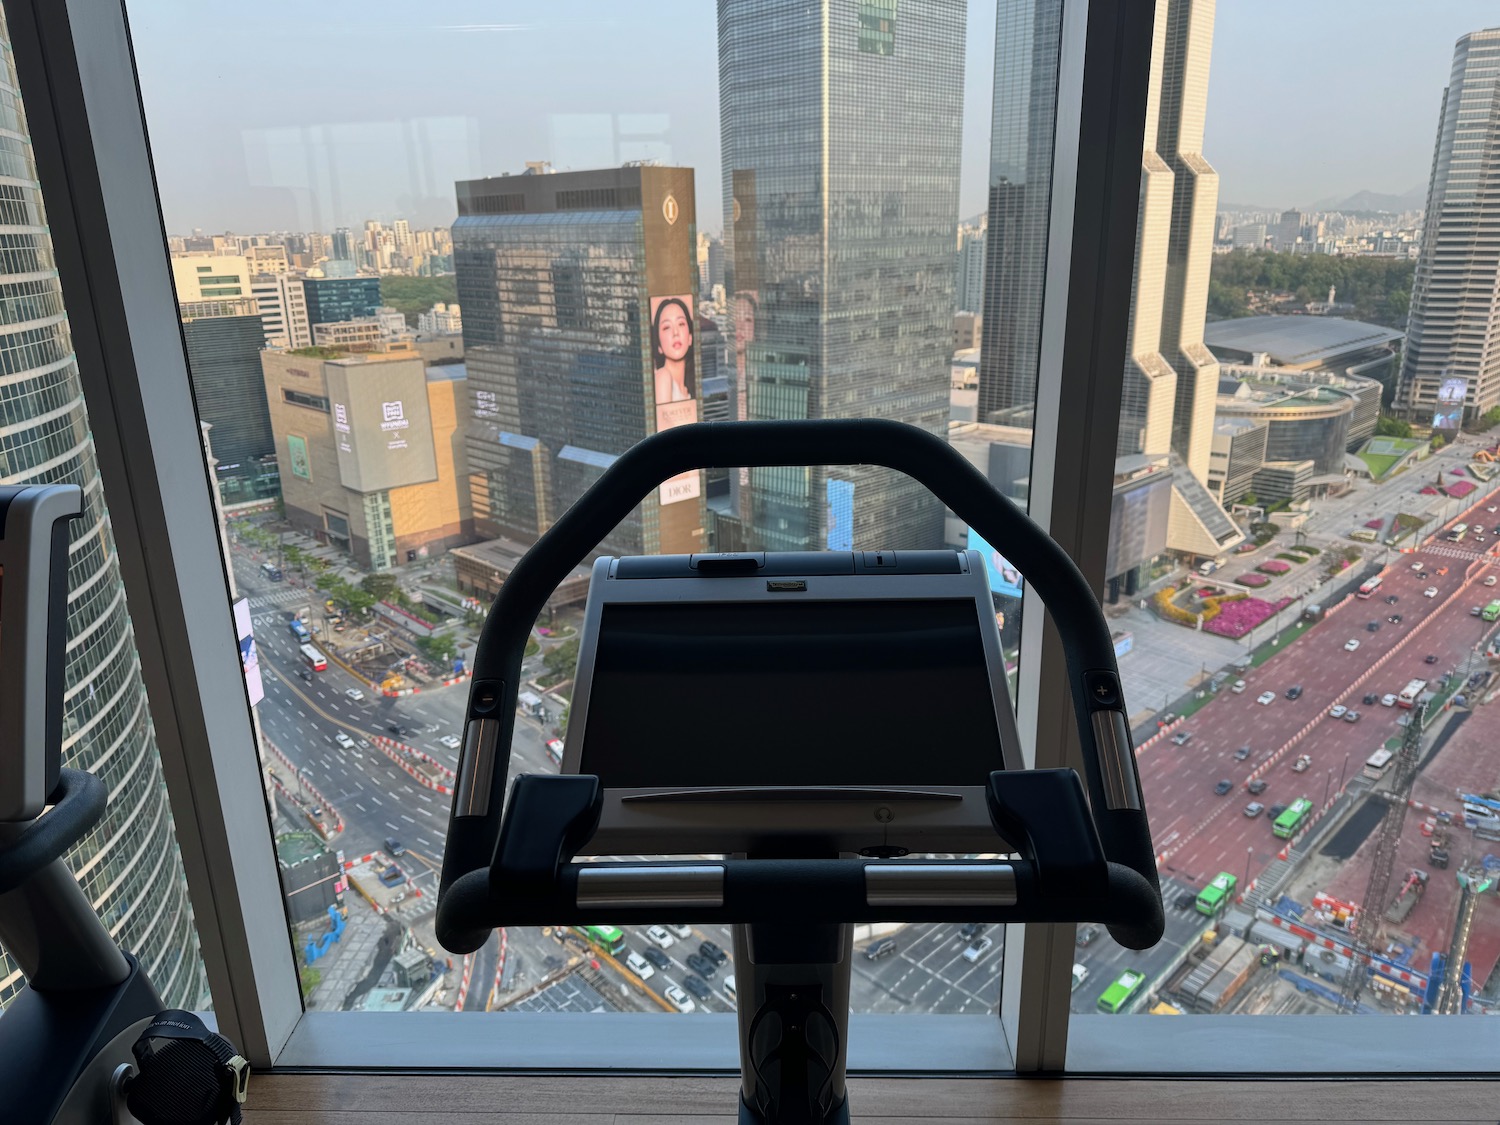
column 561, row 661
column 1438, row 441
column 1390, row 426
column 379, row 586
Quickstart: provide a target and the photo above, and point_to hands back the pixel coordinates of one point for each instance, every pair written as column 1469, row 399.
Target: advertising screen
column 249, row 654
column 297, row 454
column 675, row 381
column 1448, row 414
column 382, row 426
column 840, row 495
column 1004, row 578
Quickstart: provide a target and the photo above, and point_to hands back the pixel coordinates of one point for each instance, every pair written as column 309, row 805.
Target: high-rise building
column 841, row 166
column 333, row 299
column 344, row 242
column 1171, row 378
column 577, row 291
column 224, row 341
column 283, row 311
column 968, row 294
column 128, row 866
column 1028, row 36
column 1453, row 332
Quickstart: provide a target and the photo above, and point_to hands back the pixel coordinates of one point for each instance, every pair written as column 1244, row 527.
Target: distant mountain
column 1412, row 200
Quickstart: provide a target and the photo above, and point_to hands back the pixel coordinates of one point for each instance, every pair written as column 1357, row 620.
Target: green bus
column 1293, row 818
column 1212, row 897
column 1491, row 612
column 1117, row 995
column 607, row 938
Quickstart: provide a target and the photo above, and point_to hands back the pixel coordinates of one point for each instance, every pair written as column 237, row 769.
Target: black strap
column 187, row 1074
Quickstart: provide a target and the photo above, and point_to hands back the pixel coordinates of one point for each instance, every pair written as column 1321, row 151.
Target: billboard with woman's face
column 1449, row 412
column 675, row 380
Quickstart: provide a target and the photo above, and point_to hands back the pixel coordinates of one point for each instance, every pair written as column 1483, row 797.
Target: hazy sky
column 311, row 115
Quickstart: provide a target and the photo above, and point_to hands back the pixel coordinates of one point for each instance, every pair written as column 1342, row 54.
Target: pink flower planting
column 1274, row 566
column 1253, row 580
column 1376, row 524
column 1460, row 488
column 1238, row 618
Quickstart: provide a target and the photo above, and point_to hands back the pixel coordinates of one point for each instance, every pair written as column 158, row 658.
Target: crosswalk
column 1453, row 553
column 279, row 599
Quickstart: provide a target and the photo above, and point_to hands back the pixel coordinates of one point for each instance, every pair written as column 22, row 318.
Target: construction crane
column 1473, row 881
column 1367, row 933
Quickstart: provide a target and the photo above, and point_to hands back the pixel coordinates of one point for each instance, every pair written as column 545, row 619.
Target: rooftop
column 1297, row 341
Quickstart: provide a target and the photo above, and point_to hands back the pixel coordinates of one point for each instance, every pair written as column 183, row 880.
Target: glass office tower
column 129, row 865
column 840, row 135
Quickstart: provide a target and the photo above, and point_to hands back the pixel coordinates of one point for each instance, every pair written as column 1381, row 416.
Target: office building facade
column 568, row 282
column 840, row 140
column 333, row 299
column 1453, row 331
column 1028, row 36
column 129, row 865
column 224, row 341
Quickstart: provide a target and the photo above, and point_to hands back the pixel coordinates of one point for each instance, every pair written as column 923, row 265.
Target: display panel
column 748, row 693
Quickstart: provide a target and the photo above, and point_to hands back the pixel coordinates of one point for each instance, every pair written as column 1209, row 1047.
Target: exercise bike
column 768, row 707
column 87, row 1041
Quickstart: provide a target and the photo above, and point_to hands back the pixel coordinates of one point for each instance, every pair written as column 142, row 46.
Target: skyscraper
column 840, row 138
column 1028, row 37
column 580, row 339
column 1171, row 378
column 224, row 341
column 1453, row 332
column 128, row 865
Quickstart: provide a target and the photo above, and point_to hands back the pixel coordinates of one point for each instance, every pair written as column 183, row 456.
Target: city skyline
column 333, row 147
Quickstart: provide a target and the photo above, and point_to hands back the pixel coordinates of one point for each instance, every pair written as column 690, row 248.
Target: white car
column 682, row 933
column 1080, row 974
column 1239, row 686
column 1490, row 579
column 729, row 986
column 1350, row 645
column 978, row 949
column 344, row 740
column 1388, row 700
column 1337, row 711
column 639, row 965
column 1430, row 592
column 355, row 694
column 660, row 938
column 1418, row 565
column 678, row 998
column 1266, row 698
column 450, row 741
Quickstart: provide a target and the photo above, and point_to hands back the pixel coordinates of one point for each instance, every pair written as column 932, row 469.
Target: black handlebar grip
column 78, row 803
column 926, row 458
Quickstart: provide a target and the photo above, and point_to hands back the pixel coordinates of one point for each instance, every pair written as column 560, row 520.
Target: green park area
column 1382, row 454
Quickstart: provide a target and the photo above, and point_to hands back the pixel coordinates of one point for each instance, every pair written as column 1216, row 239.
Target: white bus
column 1458, row 532
column 315, row 659
column 1377, row 763
column 1368, row 589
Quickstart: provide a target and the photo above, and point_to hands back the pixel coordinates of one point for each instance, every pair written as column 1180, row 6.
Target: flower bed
column 1460, row 488
column 1253, row 580
column 1209, row 607
column 1272, row 566
column 1207, row 592
column 1429, row 491
column 1292, row 558
column 1238, row 618
column 1375, row 525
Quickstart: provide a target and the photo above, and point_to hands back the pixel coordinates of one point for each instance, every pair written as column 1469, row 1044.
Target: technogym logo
column 395, row 416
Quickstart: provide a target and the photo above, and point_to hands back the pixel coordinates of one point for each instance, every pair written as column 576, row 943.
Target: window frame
column 76, row 66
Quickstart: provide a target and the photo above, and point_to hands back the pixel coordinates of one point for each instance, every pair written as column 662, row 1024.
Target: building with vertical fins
column 840, row 139
column 129, row 865
column 1453, row 329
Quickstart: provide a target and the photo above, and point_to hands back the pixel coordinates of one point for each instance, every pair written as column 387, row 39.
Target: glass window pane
column 129, row 865
column 1300, row 552
column 420, row 326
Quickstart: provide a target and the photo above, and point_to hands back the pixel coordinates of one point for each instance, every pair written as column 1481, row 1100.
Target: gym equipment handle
column 77, row 805
column 1108, row 756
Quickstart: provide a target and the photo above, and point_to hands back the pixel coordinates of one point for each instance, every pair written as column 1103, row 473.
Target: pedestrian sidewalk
column 367, row 943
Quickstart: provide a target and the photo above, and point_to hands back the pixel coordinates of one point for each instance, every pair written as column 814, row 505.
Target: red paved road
column 1200, row 833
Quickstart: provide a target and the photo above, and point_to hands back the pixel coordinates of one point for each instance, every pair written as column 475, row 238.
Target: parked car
column 1388, row 700
column 678, row 998
column 1182, row 738
column 1238, row 687
column 355, row 694
column 971, row 930
column 713, row 953
column 1350, row 645
column 882, row 947
column 657, row 957
column 1266, row 698
column 659, row 937
column 1294, row 692
column 1254, row 809
column 1224, row 786
column 978, row 949
column 679, row 931
column 1337, row 711
column 639, row 965
column 1258, row 785
column 697, row 986
column 1242, row 753
column 1351, row 716
column 701, row 965
column 451, row 741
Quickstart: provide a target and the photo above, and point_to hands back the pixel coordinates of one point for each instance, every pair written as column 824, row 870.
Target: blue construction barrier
column 318, row 947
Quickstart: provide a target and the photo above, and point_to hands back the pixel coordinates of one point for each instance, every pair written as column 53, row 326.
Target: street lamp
column 1342, row 768
column 1249, row 854
column 1327, row 782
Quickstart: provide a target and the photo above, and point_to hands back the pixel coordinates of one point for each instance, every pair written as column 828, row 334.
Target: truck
column 1208, row 566
column 1410, row 693
column 1406, row 900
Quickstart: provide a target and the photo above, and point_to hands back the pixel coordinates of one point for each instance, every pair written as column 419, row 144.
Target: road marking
column 425, row 812
column 376, row 799
column 393, row 827
column 360, row 807
column 425, row 797
column 408, row 819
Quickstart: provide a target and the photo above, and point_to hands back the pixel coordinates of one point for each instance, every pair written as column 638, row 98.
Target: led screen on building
column 676, row 381
column 1448, row 413
column 1004, row 578
column 382, row 426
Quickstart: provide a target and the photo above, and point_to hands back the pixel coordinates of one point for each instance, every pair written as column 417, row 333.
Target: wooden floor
column 388, row 1099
